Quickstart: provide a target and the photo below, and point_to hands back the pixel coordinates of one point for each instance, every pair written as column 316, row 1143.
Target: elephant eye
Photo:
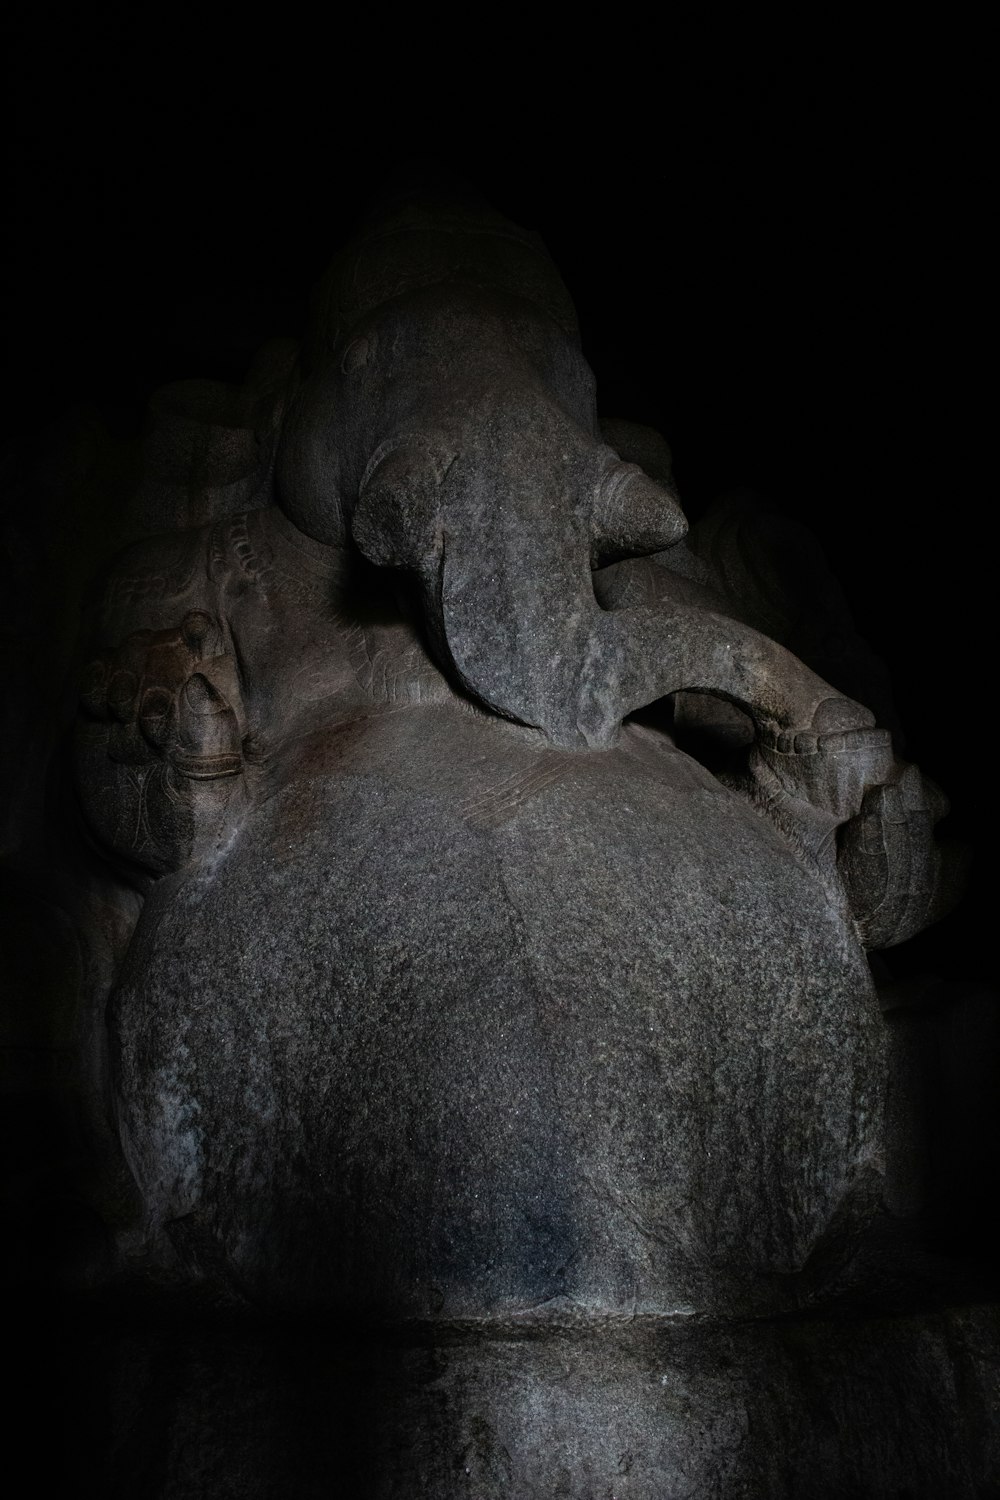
column 358, row 354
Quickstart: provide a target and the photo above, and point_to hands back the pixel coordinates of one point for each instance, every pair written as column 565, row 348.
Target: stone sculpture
column 460, row 998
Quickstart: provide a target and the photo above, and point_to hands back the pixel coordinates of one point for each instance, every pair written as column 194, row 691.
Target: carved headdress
column 417, row 243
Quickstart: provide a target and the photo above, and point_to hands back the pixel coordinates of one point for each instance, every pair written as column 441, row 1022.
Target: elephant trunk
column 501, row 537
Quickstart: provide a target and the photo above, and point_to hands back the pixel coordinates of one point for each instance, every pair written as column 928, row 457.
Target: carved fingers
column 159, row 743
column 898, row 878
column 832, row 770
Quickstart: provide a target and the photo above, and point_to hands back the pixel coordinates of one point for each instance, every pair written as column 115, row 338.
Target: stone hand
column 897, row 876
column 159, row 745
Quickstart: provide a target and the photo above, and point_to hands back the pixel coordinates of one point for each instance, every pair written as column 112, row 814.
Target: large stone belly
column 459, row 1028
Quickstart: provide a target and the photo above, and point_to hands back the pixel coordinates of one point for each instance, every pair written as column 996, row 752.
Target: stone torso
column 459, row 1025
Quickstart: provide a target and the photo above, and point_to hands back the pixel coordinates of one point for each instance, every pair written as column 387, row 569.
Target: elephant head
column 445, row 421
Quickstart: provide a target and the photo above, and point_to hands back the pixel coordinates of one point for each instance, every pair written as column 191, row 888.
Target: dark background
column 773, row 238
